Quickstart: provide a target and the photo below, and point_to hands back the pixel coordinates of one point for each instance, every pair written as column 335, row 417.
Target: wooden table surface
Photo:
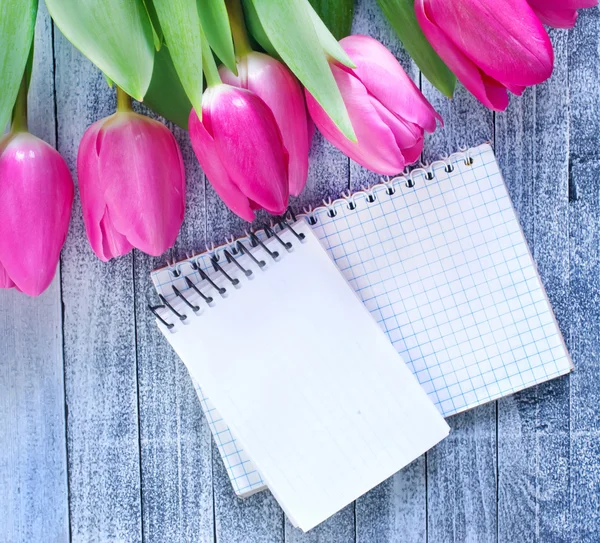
column 102, row 437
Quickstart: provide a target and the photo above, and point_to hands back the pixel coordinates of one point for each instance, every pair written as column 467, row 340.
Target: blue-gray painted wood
column 175, row 441
column 33, row 453
column 533, row 426
column 117, row 412
column 584, row 278
column 99, row 341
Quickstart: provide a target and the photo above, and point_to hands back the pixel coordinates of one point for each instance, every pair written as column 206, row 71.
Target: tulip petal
column 409, row 136
column 512, row 49
column 204, row 147
column 376, row 147
column 91, row 191
column 560, row 13
column 35, row 210
column 5, row 280
column 563, row 18
column 114, row 244
column 412, row 154
column 310, row 129
column 489, row 92
column 142, row 167
column 249, row 145
column 279, row 89
column 385, row 79
column 405, row 134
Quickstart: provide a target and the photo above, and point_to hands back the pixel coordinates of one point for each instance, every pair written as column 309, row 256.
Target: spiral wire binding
column 231, row 251
column 236, row 248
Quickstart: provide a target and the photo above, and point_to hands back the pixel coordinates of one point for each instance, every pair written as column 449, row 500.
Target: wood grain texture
column 584, row 249
column 175, row 441
column 461, row 470
column 134, row 459
column 33, row 456
column 533, row 426
column 396, row 510
column 99, row 335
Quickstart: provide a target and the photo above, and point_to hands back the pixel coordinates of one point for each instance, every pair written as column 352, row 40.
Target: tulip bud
column 240, row 149
column 559, row 13
column 389, row 113
column 132, row 185
column 492, row 47
column 36, row 196
column 273, row 82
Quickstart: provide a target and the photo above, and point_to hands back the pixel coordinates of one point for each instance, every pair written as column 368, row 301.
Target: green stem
column 123, row 101
column 19, row 115
column 238, row 28
column 209, row 66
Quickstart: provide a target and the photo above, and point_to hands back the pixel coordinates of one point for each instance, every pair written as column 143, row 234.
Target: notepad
column 439, row 259
column 307, row 381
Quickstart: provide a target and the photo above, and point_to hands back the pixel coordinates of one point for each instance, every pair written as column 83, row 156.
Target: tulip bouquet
column 250, row 79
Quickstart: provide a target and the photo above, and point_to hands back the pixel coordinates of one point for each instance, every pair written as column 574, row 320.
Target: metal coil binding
column 219, row 258
column 236, row 248
column 389, row 187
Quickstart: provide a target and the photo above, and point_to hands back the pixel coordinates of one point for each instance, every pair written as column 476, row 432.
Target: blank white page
column 309, row 384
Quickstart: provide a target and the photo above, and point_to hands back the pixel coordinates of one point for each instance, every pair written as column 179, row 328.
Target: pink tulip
column 36, row 196
column 491, row 46
column 132, row 185
column 388, row 112
column 560, row 13
column 279, row 89
column 240, row 149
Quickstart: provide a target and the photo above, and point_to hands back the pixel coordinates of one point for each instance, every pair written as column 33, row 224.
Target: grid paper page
column 454, row 385
column 244, row 476
column 306, row 380
column 445, row 270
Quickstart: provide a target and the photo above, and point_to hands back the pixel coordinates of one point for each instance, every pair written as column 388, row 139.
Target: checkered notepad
column 439, row 259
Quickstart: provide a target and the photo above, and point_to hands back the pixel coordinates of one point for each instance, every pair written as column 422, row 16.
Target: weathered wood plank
column 33, row 455
column 584, row 242
column 177, row 496
column 99, row 335
column 396, row 509
column 533, row 426
column 461, row 470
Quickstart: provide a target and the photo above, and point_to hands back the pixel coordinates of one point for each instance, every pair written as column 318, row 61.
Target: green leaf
column 327, row 40
column 157, row 33
column 165, row 95
column 17, row 26
column 401, row 15
column 256, row 29
column 180, row 23
column 109, row 81
column 289, row 28
column 337, row 15
column 215, row 22
column 115, row 35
